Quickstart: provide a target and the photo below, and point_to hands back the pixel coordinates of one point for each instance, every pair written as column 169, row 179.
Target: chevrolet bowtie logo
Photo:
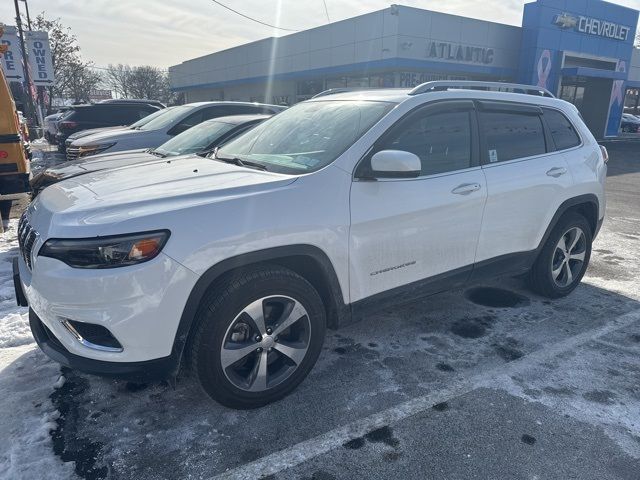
column 565, row 20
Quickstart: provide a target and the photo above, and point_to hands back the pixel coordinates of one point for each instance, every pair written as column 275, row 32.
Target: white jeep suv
column 318, row 216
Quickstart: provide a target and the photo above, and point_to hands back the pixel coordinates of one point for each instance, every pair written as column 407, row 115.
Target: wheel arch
column 586, row 205
column 308, row 261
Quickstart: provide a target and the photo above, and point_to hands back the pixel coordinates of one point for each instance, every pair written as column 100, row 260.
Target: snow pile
column 27, row 378
column 27, row 416
column 14, row 320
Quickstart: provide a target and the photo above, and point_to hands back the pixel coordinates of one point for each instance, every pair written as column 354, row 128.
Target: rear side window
column 562, row 131
column 441, row 140
column 509, row 136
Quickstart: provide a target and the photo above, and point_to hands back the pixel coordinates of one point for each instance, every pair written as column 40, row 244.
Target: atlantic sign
column 460, row 53
column 592, row 26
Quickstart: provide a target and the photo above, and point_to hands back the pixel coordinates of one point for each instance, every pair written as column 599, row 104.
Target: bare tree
column 117, row 77
column 139, row 82
column 79, row 80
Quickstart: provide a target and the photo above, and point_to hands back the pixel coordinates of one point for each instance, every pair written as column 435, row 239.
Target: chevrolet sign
column 592, row 26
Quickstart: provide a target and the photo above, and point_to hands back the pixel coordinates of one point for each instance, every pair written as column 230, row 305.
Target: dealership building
column 580, row 50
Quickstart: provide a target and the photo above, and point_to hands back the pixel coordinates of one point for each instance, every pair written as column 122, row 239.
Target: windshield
column 148, row 118
column 307, row 136
column 194, row 140
column 171, row 116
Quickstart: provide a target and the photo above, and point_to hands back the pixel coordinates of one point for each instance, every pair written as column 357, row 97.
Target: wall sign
column 592, row 26
column 460, row 53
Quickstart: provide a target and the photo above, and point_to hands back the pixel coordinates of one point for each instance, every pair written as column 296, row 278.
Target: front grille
column 73, row 153
column 26, row 239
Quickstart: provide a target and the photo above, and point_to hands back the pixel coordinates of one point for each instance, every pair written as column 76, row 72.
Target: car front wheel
column 259, row 334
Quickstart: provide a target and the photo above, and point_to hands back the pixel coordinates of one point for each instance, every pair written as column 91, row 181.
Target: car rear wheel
column 259, row 335
column 563, row 259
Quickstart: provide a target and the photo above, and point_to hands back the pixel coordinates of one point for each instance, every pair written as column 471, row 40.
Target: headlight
column 85, row 150
column 106, row 252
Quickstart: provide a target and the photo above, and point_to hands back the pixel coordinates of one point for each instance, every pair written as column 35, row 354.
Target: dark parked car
column 630, row 123
column 201, row 140
column 155, row 103
column 84, row 117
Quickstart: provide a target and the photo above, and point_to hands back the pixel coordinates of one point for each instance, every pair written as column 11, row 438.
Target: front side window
column 307, row 136
column 562, row 131
column 169, row 118
column 151, row 116
column 194, row 140
column 509, row 136
column 442, row 140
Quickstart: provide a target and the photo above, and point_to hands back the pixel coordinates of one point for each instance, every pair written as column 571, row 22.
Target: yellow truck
column 14, row 165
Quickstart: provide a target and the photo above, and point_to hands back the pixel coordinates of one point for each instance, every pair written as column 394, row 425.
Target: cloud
column 167, row 32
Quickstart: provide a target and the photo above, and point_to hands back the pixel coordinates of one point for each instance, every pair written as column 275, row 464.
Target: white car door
column 406, row 231
column 526, row 181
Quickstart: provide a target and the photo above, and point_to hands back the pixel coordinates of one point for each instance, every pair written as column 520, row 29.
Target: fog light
column 92, row 336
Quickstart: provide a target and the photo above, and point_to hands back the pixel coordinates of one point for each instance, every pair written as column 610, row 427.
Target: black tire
column 220, row 309
column 541, row 279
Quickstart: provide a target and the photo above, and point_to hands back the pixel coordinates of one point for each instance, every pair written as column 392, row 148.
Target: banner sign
column 40, row 62
column 11, row 60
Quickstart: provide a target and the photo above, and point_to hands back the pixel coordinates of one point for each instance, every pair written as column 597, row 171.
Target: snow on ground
column 27, row 378
column 14, row 326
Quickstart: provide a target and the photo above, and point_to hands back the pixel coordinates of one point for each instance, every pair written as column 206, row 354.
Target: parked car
column 83, row 117
column 134, row 100
column 327, row 212
column 630, row 123
column 162, row 128
column 50, row 128
column 134, row 126
column 201, row 140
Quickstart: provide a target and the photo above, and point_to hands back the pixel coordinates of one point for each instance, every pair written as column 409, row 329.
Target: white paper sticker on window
column 493, row 156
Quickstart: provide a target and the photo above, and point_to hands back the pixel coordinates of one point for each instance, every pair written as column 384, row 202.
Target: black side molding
column 21, row 298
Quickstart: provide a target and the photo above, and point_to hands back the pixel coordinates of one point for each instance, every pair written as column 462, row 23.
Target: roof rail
column 441, row 85
column 333, row 91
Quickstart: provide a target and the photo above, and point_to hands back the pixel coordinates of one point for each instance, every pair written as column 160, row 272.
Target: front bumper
column 140, row 306
column 139, row 371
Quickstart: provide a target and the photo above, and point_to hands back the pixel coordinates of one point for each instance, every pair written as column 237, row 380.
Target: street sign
column 40, row 62
column 11, row 60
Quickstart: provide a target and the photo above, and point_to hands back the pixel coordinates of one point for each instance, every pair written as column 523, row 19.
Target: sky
column 166, row 32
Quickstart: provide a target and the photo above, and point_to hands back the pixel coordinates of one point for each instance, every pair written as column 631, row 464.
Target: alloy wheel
column 266, row 343
column 568, row 257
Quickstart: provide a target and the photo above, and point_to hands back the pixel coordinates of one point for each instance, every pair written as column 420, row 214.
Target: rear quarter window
column 563, row 133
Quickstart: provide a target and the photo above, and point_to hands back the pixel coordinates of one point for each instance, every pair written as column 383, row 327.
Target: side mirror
column 396, row 164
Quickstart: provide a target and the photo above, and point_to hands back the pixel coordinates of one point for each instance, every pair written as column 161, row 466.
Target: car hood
column 89, row 204
column 92, row 164
column 92, row 131
column 109, row 136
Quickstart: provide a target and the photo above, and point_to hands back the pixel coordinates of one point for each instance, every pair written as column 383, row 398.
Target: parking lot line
column 321, row 444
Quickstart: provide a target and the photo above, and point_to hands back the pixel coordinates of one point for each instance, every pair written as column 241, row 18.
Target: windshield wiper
column 156, row 153
column 242, row 163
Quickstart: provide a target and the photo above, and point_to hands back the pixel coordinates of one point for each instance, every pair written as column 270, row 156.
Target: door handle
column 556, row 172
column 466, row 188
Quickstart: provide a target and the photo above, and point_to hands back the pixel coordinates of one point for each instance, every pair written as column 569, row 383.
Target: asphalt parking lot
column 490, row 383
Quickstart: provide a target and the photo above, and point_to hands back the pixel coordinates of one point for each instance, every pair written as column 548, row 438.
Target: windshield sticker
column 493, row 156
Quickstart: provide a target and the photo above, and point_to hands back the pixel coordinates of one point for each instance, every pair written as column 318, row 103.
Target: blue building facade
column 580, row 44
